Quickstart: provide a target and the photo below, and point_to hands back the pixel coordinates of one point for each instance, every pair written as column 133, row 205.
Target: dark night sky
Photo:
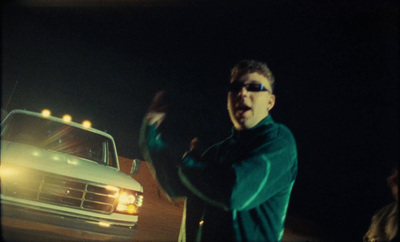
column 336, row 66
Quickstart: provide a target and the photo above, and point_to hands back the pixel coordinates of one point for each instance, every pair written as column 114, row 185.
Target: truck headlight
column 129, row 202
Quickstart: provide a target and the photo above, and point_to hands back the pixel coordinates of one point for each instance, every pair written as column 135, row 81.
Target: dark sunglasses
column 250, row 87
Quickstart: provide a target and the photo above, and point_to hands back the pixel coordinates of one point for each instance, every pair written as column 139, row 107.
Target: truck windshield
column 47, row 134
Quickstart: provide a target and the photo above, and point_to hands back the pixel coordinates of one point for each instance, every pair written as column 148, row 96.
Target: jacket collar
column 240, row 134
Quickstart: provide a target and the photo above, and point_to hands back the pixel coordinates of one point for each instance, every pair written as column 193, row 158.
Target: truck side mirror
column 135, row 167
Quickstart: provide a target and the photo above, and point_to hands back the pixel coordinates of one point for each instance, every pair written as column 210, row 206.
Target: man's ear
column 271, row 102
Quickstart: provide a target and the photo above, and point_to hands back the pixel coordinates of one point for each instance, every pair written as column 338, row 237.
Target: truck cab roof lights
column 67, row 118
column 87, row 124
column 46, row 113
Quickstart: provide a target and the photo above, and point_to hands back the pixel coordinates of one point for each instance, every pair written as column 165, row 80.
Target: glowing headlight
column 126, row 198
column 129, row 202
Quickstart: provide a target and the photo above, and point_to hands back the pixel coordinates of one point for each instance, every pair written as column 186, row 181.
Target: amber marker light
column 87, row 124
column 131, row 209
column 67, row 118
column 46, row 113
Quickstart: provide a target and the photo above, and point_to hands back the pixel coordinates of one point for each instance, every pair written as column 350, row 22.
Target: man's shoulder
column 276, row 130
column 277, row 136
column 284, row 130
column 270, row 124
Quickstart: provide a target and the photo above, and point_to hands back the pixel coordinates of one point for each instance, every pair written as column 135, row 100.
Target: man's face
column 248, row 108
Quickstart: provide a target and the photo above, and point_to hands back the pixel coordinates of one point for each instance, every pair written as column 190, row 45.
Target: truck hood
column 65, row 165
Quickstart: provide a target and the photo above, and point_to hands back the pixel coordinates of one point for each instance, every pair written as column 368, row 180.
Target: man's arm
column 155, row 150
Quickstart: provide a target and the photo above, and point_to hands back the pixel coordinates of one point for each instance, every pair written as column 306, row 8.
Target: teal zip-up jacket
column 238, row 190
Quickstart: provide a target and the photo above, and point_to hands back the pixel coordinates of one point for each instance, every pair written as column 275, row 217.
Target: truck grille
column 59, row 190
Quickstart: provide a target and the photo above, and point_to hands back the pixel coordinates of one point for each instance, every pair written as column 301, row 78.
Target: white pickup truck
column 63, row 179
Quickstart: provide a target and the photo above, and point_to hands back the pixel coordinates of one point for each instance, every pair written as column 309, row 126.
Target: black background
column 335, row 64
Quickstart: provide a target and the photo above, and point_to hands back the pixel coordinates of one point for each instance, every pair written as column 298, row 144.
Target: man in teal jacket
column 239, row 189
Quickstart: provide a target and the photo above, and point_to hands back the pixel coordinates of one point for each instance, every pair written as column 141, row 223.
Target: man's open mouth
column 242, row 109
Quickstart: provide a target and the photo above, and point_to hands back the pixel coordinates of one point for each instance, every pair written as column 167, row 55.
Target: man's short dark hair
column 249, row 66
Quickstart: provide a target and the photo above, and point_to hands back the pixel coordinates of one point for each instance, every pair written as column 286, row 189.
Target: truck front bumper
column 25, row 223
